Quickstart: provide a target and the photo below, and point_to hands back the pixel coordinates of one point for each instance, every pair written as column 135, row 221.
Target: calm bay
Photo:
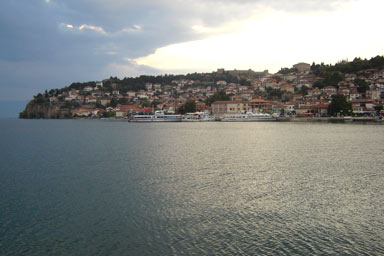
column 100, row 187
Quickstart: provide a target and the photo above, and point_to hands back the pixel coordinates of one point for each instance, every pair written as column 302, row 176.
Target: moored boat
column 198, row 117
column 159, row 116
column 248, row 117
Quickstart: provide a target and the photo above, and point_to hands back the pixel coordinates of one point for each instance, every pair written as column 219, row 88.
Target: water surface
column 94, row 187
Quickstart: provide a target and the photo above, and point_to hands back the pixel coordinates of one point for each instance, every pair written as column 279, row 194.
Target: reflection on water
column 102, row 187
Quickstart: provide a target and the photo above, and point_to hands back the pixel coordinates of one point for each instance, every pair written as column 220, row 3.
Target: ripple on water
column 112, row 188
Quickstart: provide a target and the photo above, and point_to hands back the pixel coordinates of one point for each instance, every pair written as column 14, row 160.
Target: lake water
column 95, row 187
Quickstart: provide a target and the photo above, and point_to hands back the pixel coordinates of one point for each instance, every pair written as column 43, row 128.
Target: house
column 89, row 99
column 148, row 86
column 97, row 94
column 320, row 109
column 289, row 77
column 349, row 77
column 274, row 85
column 229, row 107
column 53, row 99
column 344, row 91
column 157, row 86
column 105, row 101
column 260, row 105
column 278, row 108
column 121, row 114
column 290, row 106
column 304, row 109
column 354, row 94
column 142, row 95
column 363, row 106
column 200, row 106
column 70, row 98
column 329, row 90
column 242, row 88
column 73, row 92
column 99, row 84
column 131, row 93
column 221, row 83
column 314, row 92
column 88, row 89
column 297, row 97
column 374, row 93
column 287, row 88
column 81, row 112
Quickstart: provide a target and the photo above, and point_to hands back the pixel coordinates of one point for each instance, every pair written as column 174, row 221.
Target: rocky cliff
column 44, row 110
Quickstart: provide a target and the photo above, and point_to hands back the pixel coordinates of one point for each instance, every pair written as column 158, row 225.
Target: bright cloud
column 279, row 39
column 99, row 30
column 84, row 27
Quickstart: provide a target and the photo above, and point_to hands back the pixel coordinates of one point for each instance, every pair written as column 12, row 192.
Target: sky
column 47, row 44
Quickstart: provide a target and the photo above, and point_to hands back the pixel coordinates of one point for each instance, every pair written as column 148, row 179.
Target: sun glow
column 279, row 39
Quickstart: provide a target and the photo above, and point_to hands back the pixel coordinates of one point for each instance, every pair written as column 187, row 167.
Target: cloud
column 77, row 40
column 134, row 28
column 278, row 39
column 92, row 28
column 130, row 68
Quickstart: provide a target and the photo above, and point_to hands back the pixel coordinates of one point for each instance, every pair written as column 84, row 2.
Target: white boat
column 248, row 117
column 159, row 116
column 198, row 117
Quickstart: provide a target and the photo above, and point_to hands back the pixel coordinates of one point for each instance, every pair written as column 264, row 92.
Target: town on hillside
column 304, row 89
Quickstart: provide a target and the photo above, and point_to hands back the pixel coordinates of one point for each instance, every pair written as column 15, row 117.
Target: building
column 88, row 89
column 229, row 107
column 302, row 67
column 260, row 105
column 236, row 72
column 287, row 88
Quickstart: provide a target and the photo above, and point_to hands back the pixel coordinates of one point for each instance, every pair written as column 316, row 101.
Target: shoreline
column 279, row 119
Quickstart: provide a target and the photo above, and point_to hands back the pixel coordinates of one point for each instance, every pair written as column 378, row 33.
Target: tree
column 330, row 78
column 145, row 103
column 304, row 90
column 113, row 102
column 123, row 101
column 362, row 86
column 378, row 108
column 274, row 93
column 188, row 107
column 244, row 81
column 40, row 99
column 221, row 95
column 339, row 105
column 285, row 71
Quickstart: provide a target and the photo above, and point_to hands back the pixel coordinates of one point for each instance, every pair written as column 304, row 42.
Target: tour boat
column 159, row 116
column 248, row 117
column 198, row 117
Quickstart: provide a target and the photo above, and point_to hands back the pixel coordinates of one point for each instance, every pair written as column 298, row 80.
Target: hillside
column 114, row 97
